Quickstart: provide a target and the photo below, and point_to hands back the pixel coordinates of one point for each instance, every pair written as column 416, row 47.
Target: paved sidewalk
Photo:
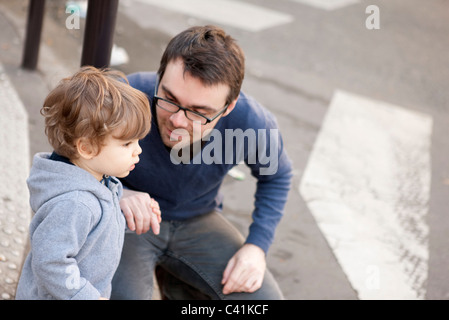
column 14, row 167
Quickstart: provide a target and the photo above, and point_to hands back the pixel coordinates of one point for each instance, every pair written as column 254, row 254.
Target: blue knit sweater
column 185, row 190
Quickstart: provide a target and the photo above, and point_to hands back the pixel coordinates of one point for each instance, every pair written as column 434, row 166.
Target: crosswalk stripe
column 328, row 4
column 367, row 184
column 228, row 12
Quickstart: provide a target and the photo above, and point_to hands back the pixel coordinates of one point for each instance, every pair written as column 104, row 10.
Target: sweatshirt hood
column 49, row 179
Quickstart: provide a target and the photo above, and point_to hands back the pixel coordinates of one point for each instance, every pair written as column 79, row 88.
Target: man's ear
column 230, row 107
column 85, row 148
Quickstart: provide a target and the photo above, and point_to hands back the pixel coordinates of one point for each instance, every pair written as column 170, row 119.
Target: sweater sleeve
column 271, row 166
column 273, row 185
column 54, row 246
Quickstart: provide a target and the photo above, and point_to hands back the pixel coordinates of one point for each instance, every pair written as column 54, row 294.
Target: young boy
column 93, row 121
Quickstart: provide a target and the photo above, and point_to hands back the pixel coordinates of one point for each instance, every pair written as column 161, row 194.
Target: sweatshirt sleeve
column 55, row 244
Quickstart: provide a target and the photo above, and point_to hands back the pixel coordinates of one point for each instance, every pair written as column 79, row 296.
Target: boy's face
column 116, row 158
column 189, row 92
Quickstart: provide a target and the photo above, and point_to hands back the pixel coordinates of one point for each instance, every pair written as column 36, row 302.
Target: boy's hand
column 141, row 212
column 156, row 210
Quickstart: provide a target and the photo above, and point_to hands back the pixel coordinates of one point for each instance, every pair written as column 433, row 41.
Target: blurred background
column 360, row 91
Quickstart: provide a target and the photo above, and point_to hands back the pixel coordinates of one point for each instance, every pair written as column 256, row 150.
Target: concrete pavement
column 14, row 210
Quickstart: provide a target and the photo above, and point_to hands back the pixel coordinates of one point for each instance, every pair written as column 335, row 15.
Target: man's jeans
column 195, row 251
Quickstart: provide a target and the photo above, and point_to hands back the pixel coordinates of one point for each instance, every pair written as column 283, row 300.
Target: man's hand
column 141, row 211
column 245, row 271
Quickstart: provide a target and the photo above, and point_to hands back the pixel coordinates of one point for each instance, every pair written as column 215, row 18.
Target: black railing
column 98, row 34
column 33, row 34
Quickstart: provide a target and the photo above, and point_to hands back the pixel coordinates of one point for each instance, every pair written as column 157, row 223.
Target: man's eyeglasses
column 190, row 114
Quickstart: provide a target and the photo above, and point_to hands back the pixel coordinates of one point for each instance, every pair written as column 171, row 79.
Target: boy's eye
column 127, row 144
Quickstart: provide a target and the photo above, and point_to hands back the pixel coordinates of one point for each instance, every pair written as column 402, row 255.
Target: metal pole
column 99, row 32
column 33, row 34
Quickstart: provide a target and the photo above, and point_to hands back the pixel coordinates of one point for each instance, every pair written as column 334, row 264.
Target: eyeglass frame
column 208, row 120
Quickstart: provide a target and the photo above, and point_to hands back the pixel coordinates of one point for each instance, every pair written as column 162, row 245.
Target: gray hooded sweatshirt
column 76, row 233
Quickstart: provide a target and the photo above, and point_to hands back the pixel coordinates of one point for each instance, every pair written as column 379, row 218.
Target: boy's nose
column 138, row 150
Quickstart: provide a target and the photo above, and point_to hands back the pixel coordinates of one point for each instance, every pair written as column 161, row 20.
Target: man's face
column 189, row 92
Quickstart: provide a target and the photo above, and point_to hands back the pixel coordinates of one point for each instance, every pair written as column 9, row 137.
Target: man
column 198, row 114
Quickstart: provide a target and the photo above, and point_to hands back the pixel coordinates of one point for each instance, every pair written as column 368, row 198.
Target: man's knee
column 172, row 288
column 268, row 291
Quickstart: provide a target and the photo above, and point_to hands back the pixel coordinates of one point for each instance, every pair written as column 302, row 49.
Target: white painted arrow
column 367, row 183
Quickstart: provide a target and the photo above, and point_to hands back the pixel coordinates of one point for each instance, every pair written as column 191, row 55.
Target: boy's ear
column 85, row 148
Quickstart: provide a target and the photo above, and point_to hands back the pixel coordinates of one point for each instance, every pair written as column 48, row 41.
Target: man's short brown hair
column 91, row 104
column 210, row 55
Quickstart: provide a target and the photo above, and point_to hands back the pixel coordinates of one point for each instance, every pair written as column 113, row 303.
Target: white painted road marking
column 228, row 12
column 367, row 183
column 328, row 4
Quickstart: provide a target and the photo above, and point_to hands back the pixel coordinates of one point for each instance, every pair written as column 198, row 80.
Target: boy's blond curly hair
column 91, row 104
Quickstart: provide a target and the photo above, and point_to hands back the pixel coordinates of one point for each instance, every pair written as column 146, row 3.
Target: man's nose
column 179, row 119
